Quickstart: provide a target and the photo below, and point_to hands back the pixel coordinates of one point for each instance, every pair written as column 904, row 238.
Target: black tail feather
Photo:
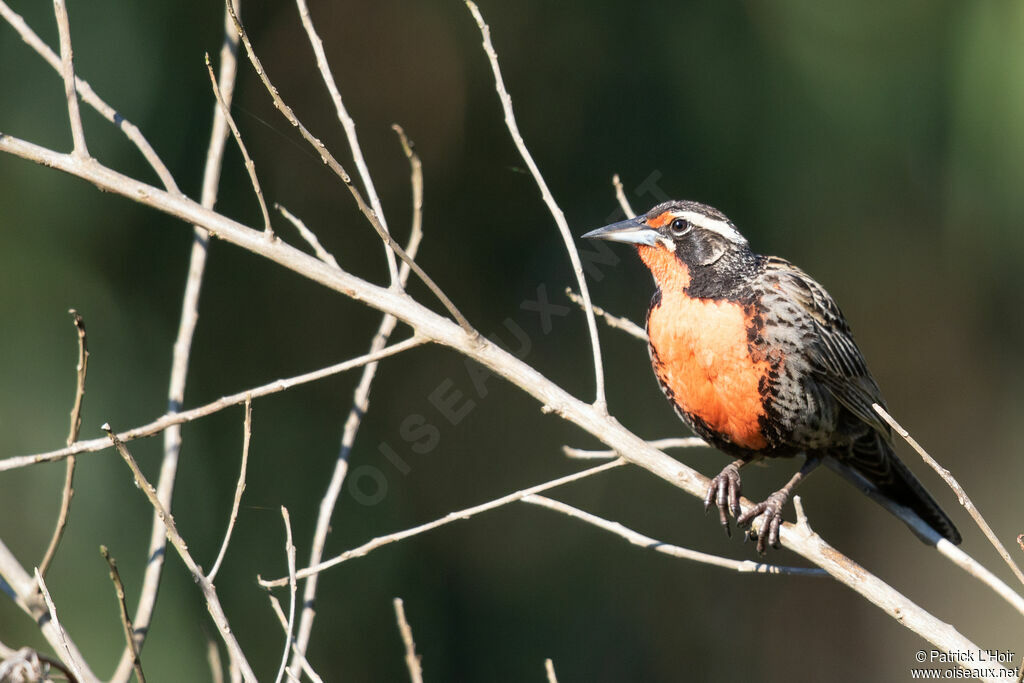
column 873, row 467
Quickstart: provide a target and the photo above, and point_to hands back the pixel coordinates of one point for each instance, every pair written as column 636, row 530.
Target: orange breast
column 703, row 357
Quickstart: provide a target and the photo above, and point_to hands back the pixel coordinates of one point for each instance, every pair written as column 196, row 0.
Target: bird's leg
column 771, row 508
column 724, row 491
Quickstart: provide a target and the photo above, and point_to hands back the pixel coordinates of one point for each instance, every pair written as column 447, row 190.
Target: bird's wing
column 837, row 364
column 832, row 353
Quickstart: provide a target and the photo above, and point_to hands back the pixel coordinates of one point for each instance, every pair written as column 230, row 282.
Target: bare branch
column 27, row 665
column 182, row 349
column 412, row 660
column 613, row 321
column 81, row 369
column 660, row 444
column 459, row 515
column 978, row 571
column 339, row 171
column 350, row 128
column 636, row 538
column 24, row 591
column 360, row 404
column 309, row 236
column 275, row 605
column 549, row 669
column 68, row 657
column 600, row 402
column 289, row 551
column 169, row 419
column 250, row 166
column 76, row 423
column 621, row 197
column 239, row 488
column 213, row 658
column 209, row 591
column 416, row 182
column 126, row 620
column 90, row 97
column 81, row 151
column 961, row 495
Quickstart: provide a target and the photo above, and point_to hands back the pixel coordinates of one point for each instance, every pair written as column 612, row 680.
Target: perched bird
column 757, row 359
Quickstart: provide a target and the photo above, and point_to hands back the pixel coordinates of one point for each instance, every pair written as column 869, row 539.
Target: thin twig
column 28, row 665
column 24, row 591
column 76, row 423
column 126, row 620
column 350, row 128
column 209, row 591
column 81, row 151
column 961, row 495
column 90, row 97
column 980, row 572
column 456, row 516
column 339, row 171
column 549, row 669
column 239, row 488
column 416, row 183
column 620, row 195
column 661, row 444
column 68, row 657
column 213, row 658
column 309, row 236
column 275, row 605
column 412, row 660
column 613, row 321
column 181, row 353
column 360, row 404
column 169, row 419
column 600, row 402
column 250, row 166
column 636, row 538
column 289, row 551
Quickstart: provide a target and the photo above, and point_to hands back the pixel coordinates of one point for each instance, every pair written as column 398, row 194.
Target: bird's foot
column 724, row 491
column 770, row 512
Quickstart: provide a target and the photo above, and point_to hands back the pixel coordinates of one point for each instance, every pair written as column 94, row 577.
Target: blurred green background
column 878, row 145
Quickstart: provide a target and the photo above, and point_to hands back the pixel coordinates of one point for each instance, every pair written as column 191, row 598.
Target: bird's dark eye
column 679, row 227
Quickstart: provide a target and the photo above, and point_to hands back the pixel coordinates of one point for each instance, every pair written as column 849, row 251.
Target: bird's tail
column 873, row 467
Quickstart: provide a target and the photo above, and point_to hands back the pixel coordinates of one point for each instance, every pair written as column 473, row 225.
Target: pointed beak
column 631, row 231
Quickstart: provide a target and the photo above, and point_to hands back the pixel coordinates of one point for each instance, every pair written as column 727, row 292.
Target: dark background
column 878, row 145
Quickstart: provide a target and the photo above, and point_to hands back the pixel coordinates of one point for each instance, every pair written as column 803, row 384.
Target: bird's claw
column 770, row 512
column 724, row 491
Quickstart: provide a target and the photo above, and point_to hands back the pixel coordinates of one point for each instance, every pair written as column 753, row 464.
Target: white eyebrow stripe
column 722, row 227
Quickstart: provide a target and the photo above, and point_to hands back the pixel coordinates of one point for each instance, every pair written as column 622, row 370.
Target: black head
column 687, row 242
column 697, row 233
